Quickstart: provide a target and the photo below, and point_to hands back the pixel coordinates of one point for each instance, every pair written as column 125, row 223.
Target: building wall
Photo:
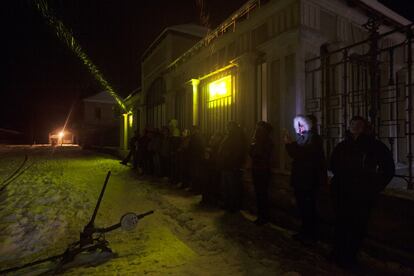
column 106, row 117
column 100, row 125
column 265, row 54
column 268, row 51
column 170, row 47
column 264, row 51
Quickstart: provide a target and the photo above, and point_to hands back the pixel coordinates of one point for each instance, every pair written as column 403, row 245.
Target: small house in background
column 61, row 136
column 99, row 126
column 99, row 110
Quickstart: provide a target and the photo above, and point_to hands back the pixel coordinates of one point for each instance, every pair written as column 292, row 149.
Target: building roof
column 239, row 15
column 133, row 93
column 371, row 6
column 377, row 8
column 9, row 131
column 101, row 97
column 187, row 29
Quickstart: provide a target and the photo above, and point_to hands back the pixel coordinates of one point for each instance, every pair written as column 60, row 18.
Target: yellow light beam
column 65, row 35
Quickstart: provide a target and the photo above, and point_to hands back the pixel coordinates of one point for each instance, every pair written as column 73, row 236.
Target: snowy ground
column 46, row 207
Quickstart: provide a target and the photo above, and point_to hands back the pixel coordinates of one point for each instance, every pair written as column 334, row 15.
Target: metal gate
column 218, row 102
column 373, row 79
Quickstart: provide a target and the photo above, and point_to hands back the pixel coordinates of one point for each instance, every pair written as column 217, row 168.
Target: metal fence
column 215, row 113
column 373, row 79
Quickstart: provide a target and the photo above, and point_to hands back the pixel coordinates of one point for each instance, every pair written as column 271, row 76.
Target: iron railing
column 370, row 78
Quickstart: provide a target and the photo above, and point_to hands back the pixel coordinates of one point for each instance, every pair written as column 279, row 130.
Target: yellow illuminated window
column 220, row 88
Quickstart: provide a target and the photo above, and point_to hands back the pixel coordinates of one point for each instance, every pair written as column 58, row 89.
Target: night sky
column 41, row 78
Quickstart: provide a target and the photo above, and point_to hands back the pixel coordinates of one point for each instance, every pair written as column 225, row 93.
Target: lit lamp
column 60, row 135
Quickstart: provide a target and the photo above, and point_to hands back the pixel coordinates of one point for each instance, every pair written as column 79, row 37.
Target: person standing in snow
column 155, row 149
column 308, row 173
column 260, row 152
column 362, row 166
column 165, row 152
column 143, row 150
column 174, row 145
column 195, row 158
column 132, row 151
column 232, row 154
column 211, row 183
column 184, row 176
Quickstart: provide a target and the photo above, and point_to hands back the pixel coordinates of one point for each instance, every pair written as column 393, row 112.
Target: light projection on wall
column 127, row 129
column 220, row 92
column 130, row 119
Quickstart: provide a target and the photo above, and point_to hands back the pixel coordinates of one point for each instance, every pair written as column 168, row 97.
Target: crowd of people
column 213, row 166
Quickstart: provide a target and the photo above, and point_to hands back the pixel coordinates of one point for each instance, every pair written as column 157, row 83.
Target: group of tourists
column 213, row 166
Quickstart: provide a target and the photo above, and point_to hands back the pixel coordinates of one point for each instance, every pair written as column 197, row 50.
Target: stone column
column 246, row 91
column 196, row 106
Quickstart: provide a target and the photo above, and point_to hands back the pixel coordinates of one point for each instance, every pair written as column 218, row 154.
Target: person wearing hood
column 362, row 166
column 308, row 173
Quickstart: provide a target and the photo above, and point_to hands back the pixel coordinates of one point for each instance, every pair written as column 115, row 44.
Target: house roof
column 101, row 97
column 188, row 29
column 371, row 6
column 9, row 131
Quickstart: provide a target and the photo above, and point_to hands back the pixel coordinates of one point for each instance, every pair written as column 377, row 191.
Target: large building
column 271, row 60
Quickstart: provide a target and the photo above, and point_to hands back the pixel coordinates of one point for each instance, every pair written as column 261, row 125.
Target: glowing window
column 220, row 88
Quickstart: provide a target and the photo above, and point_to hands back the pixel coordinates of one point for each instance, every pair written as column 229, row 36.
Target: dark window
column 98, row 113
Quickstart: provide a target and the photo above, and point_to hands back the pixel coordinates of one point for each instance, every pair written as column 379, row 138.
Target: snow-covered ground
column 44, row 210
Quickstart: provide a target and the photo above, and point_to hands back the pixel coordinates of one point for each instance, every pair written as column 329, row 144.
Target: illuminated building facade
column 155, row 104
column 271, row 60
column 253, row 66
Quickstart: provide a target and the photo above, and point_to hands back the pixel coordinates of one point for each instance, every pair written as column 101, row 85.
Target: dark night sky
column 41, row 78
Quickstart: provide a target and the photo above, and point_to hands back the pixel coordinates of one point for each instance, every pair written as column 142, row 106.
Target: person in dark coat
column 362, row 166
column 195, row 158
column 175, row 141
column 133, row 153
column 184, row 176
column 232, row 155
column 308, row 173
column 211, row 184
column 143, row 151
column 261, row 150
column 165, row 152
column 154, row 148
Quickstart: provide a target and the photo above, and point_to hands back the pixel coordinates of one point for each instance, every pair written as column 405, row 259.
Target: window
column 98, row 113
